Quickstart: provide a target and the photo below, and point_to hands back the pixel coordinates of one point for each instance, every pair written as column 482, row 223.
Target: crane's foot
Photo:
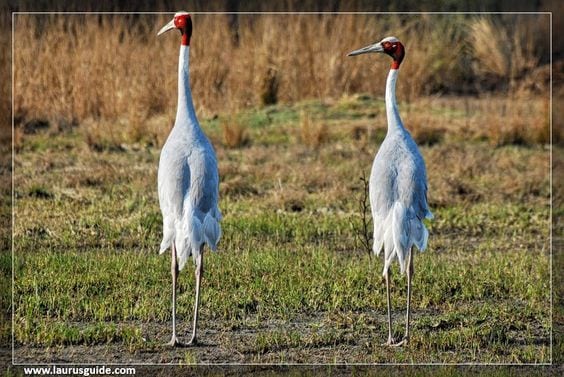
column 403, row 342
column 390, row 342
column 174, row 342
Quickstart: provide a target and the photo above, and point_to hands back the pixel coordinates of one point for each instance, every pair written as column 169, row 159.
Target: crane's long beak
column 167, row 27
column 376, row 47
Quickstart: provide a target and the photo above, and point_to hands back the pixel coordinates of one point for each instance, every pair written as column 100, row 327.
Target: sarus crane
column 397, row 188
column 188, row 182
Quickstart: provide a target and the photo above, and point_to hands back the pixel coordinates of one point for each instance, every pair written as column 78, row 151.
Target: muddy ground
column 227, row 344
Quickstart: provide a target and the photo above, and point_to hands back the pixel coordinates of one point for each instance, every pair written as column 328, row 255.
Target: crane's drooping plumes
column 188, row 181
column 398, row 186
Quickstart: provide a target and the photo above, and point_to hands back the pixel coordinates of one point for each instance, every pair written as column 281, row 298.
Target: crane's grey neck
column 394, row 120
column 185, row 113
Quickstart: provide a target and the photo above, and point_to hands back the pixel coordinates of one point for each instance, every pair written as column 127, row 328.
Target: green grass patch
column 290, row 282
column 480, row 299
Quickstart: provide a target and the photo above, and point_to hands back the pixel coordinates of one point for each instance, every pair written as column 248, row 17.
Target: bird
column 188, row 182
column 397, row 188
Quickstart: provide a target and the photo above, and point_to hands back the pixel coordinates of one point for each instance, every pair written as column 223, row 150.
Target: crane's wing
column 209, row 201
column 189, row 234
column 173, row 184
column 398, row 198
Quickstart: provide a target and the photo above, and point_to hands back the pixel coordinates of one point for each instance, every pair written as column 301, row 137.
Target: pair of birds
column 188, row 184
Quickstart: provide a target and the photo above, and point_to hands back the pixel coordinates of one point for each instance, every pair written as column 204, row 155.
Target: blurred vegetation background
column 76, row 69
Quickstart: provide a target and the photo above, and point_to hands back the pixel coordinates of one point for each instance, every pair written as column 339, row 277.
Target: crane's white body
column 188, row 179
column 398, row 189
column 188, row 182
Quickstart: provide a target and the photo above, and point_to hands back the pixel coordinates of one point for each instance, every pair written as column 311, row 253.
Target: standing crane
column 398, row 188
column 188, row 182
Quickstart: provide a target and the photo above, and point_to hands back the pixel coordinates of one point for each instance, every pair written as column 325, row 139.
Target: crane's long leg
column 390, row 339
column 409, row 280
column 405, row 339
column 174, row 272
column 199, row 273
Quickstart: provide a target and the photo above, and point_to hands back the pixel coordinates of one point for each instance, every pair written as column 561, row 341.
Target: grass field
column 292, row 281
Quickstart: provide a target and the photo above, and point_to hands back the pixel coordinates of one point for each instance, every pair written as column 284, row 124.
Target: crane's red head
column 183, row 22
column 389, row 45
column 393, row 47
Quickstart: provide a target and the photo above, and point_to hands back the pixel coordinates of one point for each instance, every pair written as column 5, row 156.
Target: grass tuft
column 312, row 133
column 234, row 134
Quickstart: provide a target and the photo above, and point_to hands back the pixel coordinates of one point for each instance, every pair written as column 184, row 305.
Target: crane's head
column 182, row 22
column 389, row 45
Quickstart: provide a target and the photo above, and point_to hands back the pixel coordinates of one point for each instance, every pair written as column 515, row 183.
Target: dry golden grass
column 234, row 134
column 18, row 138
column 509, row 51
column 522, row 122
column 101, row 70
column 500, row 120
column 312, row 133
column 115, row 68
column 5, row 96
column 423, row 130
column 491, row 47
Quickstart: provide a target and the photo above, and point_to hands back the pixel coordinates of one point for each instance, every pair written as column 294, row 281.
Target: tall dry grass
column 312, row 133
column 234, row 133
column 5, row 84
column 75, row 68
column 500, row 120
column 506, row 51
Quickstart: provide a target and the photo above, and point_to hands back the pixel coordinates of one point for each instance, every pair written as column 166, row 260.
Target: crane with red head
column 188, row 182
column 397, row 187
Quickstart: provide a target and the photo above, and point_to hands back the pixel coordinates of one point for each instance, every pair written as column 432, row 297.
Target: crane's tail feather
column 164, row 246
column 419, row 234
column 388, row 250
column 189, row 234
column 212, row 231
column 402, row 231
column 378, row 238
column 168, row 235
column 189, row 239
